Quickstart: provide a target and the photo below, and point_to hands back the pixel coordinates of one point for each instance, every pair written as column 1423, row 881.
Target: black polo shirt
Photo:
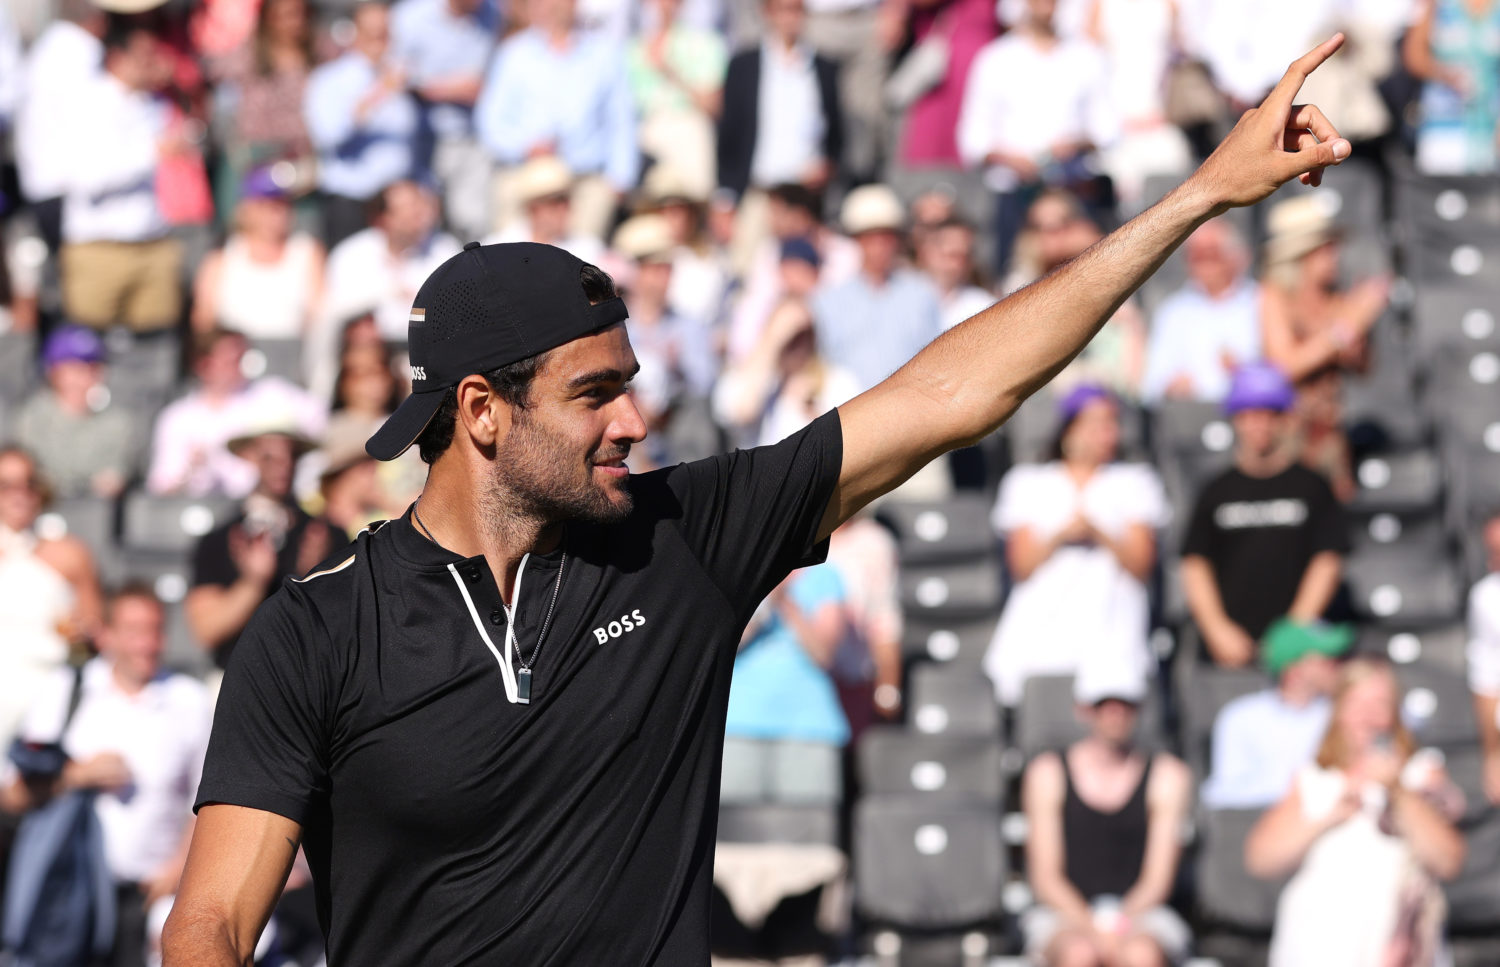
column 446, row 825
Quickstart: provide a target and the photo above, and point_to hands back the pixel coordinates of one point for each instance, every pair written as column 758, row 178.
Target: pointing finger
column 1279, row 101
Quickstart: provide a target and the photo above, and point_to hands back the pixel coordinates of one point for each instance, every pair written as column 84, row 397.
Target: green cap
column 1287, row 642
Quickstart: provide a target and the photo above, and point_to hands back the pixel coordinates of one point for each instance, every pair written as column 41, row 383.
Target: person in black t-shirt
column 496, row 723
column 1267, row 536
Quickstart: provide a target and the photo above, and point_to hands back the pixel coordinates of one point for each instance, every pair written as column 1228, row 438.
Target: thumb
column 1316, row 156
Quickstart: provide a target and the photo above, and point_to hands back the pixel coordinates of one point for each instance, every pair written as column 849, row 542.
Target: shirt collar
column 415, row 548
column 799, row 56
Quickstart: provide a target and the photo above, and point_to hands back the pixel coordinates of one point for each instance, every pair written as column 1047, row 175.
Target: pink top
column 931, row 123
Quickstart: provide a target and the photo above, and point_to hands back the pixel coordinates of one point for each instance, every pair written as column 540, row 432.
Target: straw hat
column 543, row 178
column 645, row 238
column 1298, row 226
column 872, row 208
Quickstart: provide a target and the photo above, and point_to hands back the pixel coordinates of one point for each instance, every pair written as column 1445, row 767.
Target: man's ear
column 482, row 414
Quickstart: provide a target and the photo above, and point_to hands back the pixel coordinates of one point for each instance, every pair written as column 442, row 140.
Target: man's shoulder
column 1485, row 595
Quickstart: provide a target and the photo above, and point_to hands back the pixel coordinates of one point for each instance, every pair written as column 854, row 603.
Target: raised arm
column 973, row 377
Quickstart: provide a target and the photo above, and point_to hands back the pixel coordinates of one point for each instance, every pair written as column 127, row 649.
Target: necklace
column 523, row 676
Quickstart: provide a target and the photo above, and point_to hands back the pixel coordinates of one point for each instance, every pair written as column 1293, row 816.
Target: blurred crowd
column 216, row 216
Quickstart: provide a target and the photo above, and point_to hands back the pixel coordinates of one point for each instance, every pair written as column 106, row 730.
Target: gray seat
column 1474, row 896
column 1213, row 688
column 1441, row 645
column 18, row 368
column 274, row 357
column 1047, row 718
column 173, row 524
column 1377, row 404
column 1404, row 482
column 950, row 701
column 1455, row 259
column 1468, row 204
column 938, row 531
column 1417, row 536
column 1352, row 193
column 143, row 370
column 959, row 643
column 1228, row 896
column 894, row 761
column 1447, row 318
column 1436, row 705
column 951, row 592
column 91, row 520
column 1403, row 590
column 1190, row 432
column 763, row 771
column 766, row 823
column 928, row 864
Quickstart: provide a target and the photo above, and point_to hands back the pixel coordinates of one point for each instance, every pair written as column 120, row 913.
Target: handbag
column 922, row 69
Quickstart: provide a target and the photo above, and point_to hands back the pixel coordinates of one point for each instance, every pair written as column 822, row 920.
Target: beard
column 534, row 476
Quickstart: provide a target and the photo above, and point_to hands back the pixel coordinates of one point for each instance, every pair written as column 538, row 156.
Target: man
column 137, row 740
column 544, row 189
column 556, row 90
column 1484, row 656
column 1267, row 536
column 1210, row 327
column 189, row 446
column 1104, row 821
column 1035, row 108
column 1261, row 740
column 945, row 254
column 118, row 263
column 879, row 319
column 444, row 47
column 83, row 448
column 362, row 122
column 242, row 562
column 559, row 808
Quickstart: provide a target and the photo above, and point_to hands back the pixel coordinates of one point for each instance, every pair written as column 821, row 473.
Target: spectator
column 543, row 188
column 444, row 48
column 238, row 565
column 783, row 384
column 350, row 488
column 262, row 86
column 946, row 257
column 1365, row 831
column 137, row 741
column 858, row 37
column 118, row 264
column 1261, row 740
column 60, row 72
column 10, row 70
column 362, row 123
column 266, row 282
column 867, row 665
column 1104, row 821
column 1484, row 656
column 782, row 124
column 82, row 445
column 794, row 215
column 929, row 134
column 365, row 393
column 700, row 270
column 677, row 80
column 1266, row 538
column 1080, row 541
column 873, row 323
column 556, row 90
column 1036, row 109
column 189, row 449
column 1450, row 48
column 1315, row 329
column 49, row 591
column 1208, row 328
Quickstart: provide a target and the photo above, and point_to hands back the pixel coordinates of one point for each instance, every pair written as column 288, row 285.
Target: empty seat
column 894, row 761
column 1228, row 896
column 274, row 357
column 951, row 701
column 143, row 369
column 1417, row 536
column 18, row 368
column 1399, row 589
column 959, row 643
column 171, row 523
column 1409, row 482
column 1185, row 426
column 1351, row 194
column 1474, row 896
column 926, row 863
column 1450, row 203
column 1442, row 645
column 1213, row 688
column 780, row 771
column 1436, row 705
column 91, row 520
column 928, row 532
column 778, row 823
column 1047, row 718
column 1452, row 318
column 953, row 591
column 1455, row 260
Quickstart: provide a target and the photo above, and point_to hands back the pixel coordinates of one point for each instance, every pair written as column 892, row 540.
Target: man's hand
column 254, row 555
column 1275, row 142
column 1229, row 644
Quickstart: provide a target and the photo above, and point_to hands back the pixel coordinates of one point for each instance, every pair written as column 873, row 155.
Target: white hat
column 1298, row 226
column 871, row 208
column 665, row 183
column 128, row 6
column 645, row 238
column 1102, row 676
column 542, row 178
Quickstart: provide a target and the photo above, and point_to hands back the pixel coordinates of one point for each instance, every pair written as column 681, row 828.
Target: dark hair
column 121, row 29
column 206, row 342
column 1054, row 452
column 512, row 382
column 261, row 43
column 392, row 401
column 794, row 195
column 132, row 588
column 39, row 482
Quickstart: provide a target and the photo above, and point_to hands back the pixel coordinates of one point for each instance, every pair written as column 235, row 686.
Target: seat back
column 895, row 761
column 951, row 701
column 1228, row 896
column 925, row 863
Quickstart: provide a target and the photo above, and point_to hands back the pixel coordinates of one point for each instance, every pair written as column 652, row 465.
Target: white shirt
column 364, row 276
column 1192, row 333
column 1484, row 636
column 161, row 733
column 789, row 124
column 111, row 194
column 63, row 63
column 1022, row 99
column 1248, row 46
column 584, row 247
column 1080, row 605
column 963, row 302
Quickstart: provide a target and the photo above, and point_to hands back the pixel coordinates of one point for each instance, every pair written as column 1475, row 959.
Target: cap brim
column 402, row 427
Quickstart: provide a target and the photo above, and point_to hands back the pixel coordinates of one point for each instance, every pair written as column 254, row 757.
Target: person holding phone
column 1366, row 832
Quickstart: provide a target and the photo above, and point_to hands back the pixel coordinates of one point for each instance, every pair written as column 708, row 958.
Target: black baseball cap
column 487, row 307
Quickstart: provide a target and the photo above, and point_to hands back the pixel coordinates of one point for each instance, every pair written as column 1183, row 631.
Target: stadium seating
column 1228, row 896
column 951, row 701
column 928, row 532
column 927, row 864
column 1213, row 688
column 966, row 591
column 1047, row 717
column 274, row 357
column 1402, row 482
column 783, row 772
column 778, row 823
column 894, row 761
column 171, row 524
column 961, row 643
column 1440, row 645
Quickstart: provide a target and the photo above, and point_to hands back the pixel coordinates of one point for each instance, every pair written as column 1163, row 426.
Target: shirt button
column 497, row 616
column 472, row 575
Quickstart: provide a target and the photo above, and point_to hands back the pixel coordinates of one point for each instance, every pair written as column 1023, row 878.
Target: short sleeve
column 1016, row 506
column 1330, row 532
column 269, row 748
column 1483, row 652
column 752, row 516
column 816, row 587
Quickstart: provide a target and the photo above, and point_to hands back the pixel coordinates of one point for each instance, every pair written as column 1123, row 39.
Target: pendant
column 523, row 686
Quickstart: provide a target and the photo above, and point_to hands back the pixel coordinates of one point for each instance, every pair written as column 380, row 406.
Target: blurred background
column 1197, row 657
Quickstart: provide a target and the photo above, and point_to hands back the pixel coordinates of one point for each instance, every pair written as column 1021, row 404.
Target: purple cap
column 260, row 185
column 72, row 343
column 1259, row 386
column 1080, row 396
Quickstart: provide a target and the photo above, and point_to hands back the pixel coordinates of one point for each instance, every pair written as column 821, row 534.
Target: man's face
column 1317, row 672
column 1211, row 260
column 275, row 460
column 1259, row 431
column 553, row 14
column 879, row 249
column 790, row 221
column 786, row 18
column 20, row 498
column 1040, row 12
column 219, row 369
column 372, row 31
column 410, row 214
column 949, row 253
column 73, row 378
column 134, row 637
column 564, row 455
column 549, row 218
column 1112, row 721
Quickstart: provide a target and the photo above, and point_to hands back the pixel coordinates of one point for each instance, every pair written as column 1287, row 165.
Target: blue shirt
column 778, row 691
column 1259, row 743
column 872, row 332
column 578, row 99
column 432, row 44
column 1192, row 331
column 357, row 159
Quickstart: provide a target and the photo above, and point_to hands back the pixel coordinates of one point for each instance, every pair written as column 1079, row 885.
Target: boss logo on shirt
column 626, row 624
column 1260, row 513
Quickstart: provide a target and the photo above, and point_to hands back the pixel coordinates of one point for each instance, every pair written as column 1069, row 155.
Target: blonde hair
column 1334, row 752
